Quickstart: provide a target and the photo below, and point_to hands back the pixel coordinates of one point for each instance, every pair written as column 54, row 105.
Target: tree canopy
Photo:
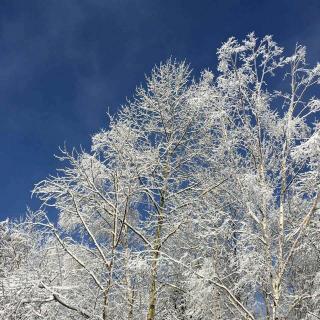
column 199, row 201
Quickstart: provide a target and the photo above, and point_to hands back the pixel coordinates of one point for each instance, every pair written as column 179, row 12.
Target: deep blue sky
column 63, row 62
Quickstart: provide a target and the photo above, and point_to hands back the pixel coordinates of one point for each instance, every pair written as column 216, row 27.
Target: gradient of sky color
column 64, row 62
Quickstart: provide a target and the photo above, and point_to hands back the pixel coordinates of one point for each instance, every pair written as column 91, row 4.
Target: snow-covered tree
column 200, row 201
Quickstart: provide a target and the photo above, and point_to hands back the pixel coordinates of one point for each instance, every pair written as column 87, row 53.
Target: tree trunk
column 153, row 288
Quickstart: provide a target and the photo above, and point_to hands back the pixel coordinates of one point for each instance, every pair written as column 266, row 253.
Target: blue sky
column 64, row 62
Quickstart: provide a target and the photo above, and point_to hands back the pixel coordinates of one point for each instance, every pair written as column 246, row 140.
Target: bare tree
column 200, row 201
